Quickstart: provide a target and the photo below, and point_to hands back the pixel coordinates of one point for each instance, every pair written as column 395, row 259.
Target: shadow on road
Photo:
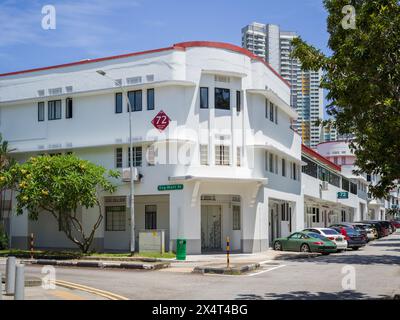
column 306, row 295
column 348, row 259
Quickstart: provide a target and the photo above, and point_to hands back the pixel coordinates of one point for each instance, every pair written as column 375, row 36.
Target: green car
column 305, row 242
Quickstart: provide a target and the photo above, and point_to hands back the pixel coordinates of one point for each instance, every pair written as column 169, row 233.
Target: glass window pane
column 222, row 98
column 150, row 99
column 203, row 98
column 118, row 102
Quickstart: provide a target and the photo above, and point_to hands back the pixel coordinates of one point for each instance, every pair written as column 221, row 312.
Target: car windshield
column 317, row 236
column 329, row 231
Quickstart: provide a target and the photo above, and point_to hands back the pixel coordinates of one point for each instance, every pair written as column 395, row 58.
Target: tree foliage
column 362, row 76
column 61, row 185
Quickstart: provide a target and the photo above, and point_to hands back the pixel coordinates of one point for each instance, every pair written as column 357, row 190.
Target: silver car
column 332, row 235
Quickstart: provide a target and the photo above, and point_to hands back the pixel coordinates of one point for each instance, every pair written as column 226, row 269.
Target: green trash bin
column 180, row 249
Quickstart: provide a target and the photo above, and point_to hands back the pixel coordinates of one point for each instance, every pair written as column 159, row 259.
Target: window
column 293, row 171
column 204, row 155
column 283, row 168
column 315, row 216
column 238, row 156
column 150, row 99
column 276, row 164
column 40, row 111
column 54, row 110
column 238, row 101
column 311, row 168
column 68, row 108
column 266, row 108
column 135, row 99
column 115, row 218
column 203, row 98
column 343, row 215
column 271, row 163
column 118, row 158
column 271, row 111
column 266, row 160
column 353, row 188
column 345, row 184
column 137, row 156
column 222, row 155
column 276, row 114
column 236, row 217
column 118, row 102
column 150, row 217
column 151, row 155
column 222, row 99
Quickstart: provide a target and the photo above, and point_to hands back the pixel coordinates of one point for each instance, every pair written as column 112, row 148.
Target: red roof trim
column 319, row 157
column 231, row 47
column 77, row 63
column 178, row 46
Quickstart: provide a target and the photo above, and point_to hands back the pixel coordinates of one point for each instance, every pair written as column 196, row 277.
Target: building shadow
column 307, row 295
column 347, row 259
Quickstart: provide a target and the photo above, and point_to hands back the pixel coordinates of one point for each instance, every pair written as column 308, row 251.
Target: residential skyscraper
column 269, row 42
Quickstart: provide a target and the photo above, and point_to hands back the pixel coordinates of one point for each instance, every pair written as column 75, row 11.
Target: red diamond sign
column 161, row 121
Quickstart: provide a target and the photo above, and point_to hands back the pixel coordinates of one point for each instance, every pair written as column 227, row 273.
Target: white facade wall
column 95, row 131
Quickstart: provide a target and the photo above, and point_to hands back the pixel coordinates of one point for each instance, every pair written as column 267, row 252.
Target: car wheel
column 340, row 251
column 356, row 248
column 305, row 248
column 277, row 246
column 325, row 253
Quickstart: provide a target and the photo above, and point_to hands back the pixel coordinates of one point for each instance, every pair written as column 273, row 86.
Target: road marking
column 102, row 293
column 266, row 261
column 66, row 295
column 264, row 271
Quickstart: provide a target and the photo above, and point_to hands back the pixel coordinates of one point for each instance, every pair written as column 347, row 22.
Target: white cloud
column 80, row 23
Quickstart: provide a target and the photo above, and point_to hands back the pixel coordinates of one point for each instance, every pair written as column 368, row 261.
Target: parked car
column 363, row 232
column 394, row 228
column 382, row 231
column 331, row 234
column 373, row 228
column 370, row 230
column 354, row 239
column 305, row 242
column 396, row 223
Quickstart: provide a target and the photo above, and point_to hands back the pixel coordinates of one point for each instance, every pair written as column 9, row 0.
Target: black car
column 380, row 228
column 354, row 239
column 356, row 227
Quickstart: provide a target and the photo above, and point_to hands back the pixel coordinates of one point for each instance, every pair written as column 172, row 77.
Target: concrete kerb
column 99, row 264
column 220, row 269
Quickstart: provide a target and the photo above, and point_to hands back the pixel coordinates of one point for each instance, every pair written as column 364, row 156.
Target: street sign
column 161, row 121
column 343, row 195
column 170, row 187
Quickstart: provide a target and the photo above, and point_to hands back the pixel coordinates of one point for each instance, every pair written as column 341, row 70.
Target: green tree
column 362, row 76
column 60, row 185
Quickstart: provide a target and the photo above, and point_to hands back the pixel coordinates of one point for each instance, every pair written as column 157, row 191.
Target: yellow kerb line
column 102, row 293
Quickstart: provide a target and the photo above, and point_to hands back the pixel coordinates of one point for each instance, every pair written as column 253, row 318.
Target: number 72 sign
column 161, row 121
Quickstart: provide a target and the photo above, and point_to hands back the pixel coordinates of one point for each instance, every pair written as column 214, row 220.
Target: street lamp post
column 132, row 184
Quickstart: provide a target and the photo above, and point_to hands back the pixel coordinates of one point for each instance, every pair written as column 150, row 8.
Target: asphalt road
column 376, row 268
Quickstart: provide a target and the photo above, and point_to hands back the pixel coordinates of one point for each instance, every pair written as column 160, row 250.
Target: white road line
column 264, row 271
column 266, row 261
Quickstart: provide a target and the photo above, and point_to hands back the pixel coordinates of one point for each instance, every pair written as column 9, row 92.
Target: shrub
column 3, row 239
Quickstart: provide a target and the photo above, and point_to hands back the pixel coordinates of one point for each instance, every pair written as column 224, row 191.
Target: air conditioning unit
column 126, row 174
column 324, row 186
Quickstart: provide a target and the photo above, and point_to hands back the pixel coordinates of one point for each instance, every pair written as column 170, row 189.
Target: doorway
column 211, row 226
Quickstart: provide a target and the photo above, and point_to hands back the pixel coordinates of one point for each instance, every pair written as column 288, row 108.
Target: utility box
column 152, row 241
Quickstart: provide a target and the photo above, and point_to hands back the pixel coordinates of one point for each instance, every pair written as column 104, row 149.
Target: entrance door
column 211, row 235
column 273, row 224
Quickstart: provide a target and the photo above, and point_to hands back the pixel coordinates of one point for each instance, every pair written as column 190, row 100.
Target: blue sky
column 97, row 28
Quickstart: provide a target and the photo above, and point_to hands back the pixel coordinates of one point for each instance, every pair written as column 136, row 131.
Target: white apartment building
column 268, row 41
column 330, row 195
column 339, row 153
column 226, row 164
